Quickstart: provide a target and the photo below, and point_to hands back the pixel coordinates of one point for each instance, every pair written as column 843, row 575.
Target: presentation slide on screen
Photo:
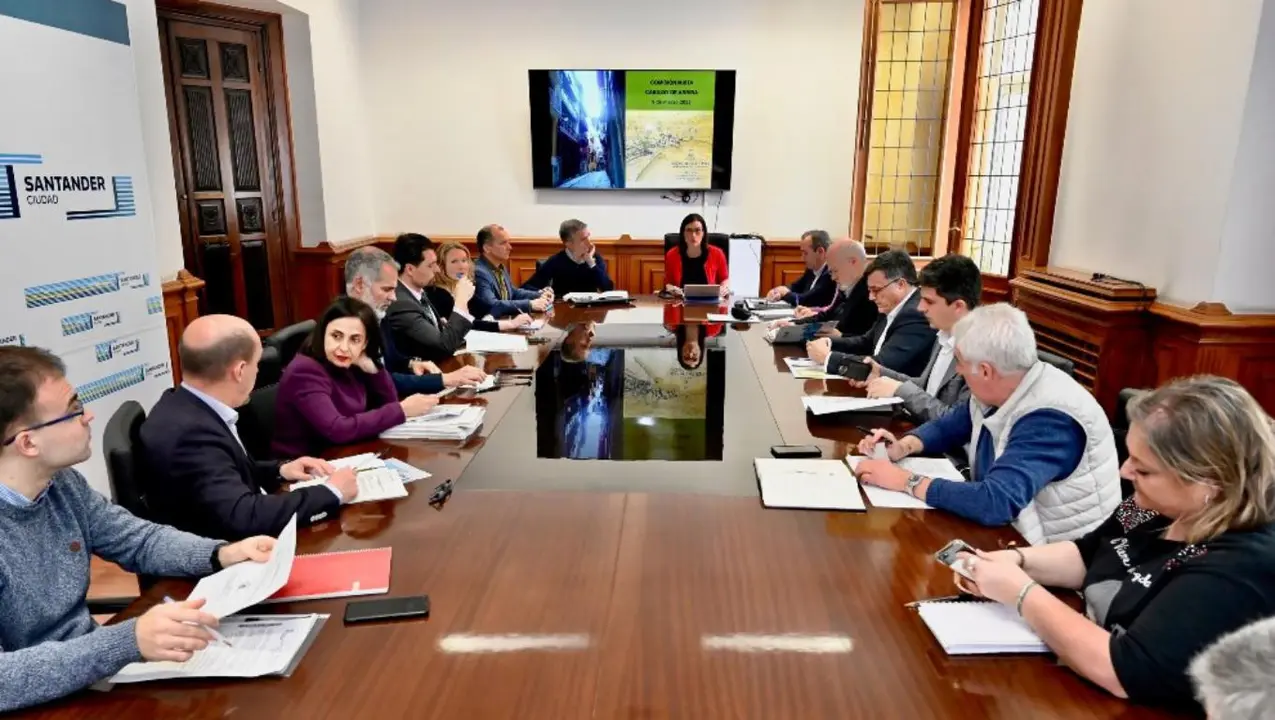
column 632, row 129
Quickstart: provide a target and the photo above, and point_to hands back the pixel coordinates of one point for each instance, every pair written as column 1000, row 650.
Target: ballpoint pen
column 211, row 631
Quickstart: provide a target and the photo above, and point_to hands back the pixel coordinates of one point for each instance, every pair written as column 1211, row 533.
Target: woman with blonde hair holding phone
column 1189, row 557
column 454, row 262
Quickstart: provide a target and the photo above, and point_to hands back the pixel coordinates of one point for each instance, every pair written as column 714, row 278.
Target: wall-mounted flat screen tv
column 632, row 129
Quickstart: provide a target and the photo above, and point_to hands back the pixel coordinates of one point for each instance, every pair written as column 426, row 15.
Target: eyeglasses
column 878, row 290
column 77, row 412
column 440, row 495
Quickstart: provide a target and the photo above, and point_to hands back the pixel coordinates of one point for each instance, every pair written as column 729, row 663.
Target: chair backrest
column 721, row 240
column 288, row 340
column 270, row 369
column 256, row 422
column 121, row 444
column 1058, row 361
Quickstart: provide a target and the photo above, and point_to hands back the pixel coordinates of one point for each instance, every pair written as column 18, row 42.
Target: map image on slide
column 668, row 128
column 668, row 149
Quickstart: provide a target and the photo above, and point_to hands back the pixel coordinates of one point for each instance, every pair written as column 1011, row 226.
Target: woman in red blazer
column 693, row 261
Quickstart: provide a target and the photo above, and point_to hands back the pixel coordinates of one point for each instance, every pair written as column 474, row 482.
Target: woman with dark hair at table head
column 336, row 390
column 690, row 345
column 1189, row 557
column 695, row 261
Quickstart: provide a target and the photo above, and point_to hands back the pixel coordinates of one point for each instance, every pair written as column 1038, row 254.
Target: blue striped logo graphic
column 103, row 351
column 98, row 389
column 9, row 209
column 53, row 293
column 76, row 324
column 154, row 305
column 125, row 203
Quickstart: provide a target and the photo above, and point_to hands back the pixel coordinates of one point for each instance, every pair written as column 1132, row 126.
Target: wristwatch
column 914, row 481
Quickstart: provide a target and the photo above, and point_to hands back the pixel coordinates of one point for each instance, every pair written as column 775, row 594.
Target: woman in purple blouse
column 336, row 390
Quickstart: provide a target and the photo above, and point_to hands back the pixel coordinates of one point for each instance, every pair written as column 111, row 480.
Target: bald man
column 201, row 478
column 851, row 308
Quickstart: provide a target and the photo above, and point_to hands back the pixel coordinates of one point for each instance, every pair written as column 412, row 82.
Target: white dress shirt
column 889, row 320
column 947, row 348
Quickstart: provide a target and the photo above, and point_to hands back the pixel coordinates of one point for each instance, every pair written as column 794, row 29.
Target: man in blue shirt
column 578, row 268
column 1043, row 455
column 494, row 291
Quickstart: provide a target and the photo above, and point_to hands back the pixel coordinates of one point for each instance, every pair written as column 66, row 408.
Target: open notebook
column 808, row 485
column 978, row 627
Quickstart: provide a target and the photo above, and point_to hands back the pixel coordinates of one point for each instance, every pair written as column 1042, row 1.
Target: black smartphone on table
column 395, row 608
column 790, row 452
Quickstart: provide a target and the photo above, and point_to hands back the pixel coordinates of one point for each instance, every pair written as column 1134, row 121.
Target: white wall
column 143, row 32
column 303, row 109
column 445, row 87
column 1242, row 280
column 1153, row 133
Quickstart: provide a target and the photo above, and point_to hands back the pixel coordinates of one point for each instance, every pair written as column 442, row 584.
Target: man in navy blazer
column 201, row 478
column 494, row 291
column 901, row 338
column 815, row 287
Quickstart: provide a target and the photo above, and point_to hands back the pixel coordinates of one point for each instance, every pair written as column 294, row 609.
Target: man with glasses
column 901, row 338
column 52, row 521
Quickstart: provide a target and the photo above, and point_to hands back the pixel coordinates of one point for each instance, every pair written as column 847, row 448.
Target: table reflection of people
column 586, row 406
column 690, row 345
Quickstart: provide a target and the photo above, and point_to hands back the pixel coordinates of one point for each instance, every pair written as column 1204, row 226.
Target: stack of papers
column 533, row 326
column 260, row 645
column 445, row 422
column 829, row 404
column 979, row 628
column 406, row 473
column 375, row 484
column 807, row 369
column 775, row 314
column 927, row 467
column 808, row 485
column 611, row 296
column 480, row 341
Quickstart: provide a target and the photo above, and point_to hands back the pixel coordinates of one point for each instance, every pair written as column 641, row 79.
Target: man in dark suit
column 815, row 287
column 900, row 339
column 850, row 308
column 577, row 269
column 201, row 478
column 411, row 322
column 951, row 287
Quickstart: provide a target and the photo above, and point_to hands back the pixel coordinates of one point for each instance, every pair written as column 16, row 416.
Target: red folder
column 337, row 574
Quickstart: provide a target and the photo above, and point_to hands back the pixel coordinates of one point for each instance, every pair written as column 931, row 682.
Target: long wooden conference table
column 567, row 588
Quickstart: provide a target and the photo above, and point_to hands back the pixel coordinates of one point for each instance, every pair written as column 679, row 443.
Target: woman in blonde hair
column 454, row 261
column 1189, row 557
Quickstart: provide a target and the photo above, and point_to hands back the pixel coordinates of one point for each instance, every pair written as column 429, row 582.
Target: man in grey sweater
column 51, row 522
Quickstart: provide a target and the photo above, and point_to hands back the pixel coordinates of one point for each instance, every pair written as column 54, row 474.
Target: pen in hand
column 211, row 631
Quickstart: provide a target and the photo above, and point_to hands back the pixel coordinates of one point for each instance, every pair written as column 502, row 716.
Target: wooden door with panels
column 232, row 159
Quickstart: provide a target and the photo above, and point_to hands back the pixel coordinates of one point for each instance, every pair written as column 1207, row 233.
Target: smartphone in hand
column 950, row 556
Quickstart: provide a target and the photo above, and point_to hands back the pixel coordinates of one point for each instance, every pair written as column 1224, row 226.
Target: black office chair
column 126, row 471
column 1058, row 361
column 721, row 240
column 256, row 422
column 288, row 340
column 270, row 369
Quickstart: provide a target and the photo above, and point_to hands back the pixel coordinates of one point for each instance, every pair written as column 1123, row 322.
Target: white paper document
column 248, row 583
column 808, row 484
column 728, row 318
column 806, row 369
column 445, row 422
column 979, row 628
column 406, row 473
column 357, row 461
column 635, row 316
column 928, row 467
column 775, row 314
column 375, row 484
column 589, row 297
column 260, row 645
column 829, row 404
column 487, row 384
column 480, row 341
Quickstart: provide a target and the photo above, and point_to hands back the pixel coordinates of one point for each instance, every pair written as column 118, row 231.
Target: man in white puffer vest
column 1042, row 454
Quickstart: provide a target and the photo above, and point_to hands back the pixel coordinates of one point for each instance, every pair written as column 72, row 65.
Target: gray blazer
column 922, row 406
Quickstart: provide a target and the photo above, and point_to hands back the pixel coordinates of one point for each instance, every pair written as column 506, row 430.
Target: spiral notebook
column 337, row 574
column 977, row 627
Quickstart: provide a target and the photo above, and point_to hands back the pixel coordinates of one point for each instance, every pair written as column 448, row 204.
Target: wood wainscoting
column 635, row 264
column 181, row 306
column 1120, row 336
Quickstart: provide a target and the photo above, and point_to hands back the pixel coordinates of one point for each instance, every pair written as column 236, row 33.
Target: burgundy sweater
column 319, row 406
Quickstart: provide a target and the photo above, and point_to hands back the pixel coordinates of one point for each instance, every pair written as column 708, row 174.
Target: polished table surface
column 683, row 599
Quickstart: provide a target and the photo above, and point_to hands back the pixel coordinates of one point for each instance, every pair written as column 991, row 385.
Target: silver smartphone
column 950, row 556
